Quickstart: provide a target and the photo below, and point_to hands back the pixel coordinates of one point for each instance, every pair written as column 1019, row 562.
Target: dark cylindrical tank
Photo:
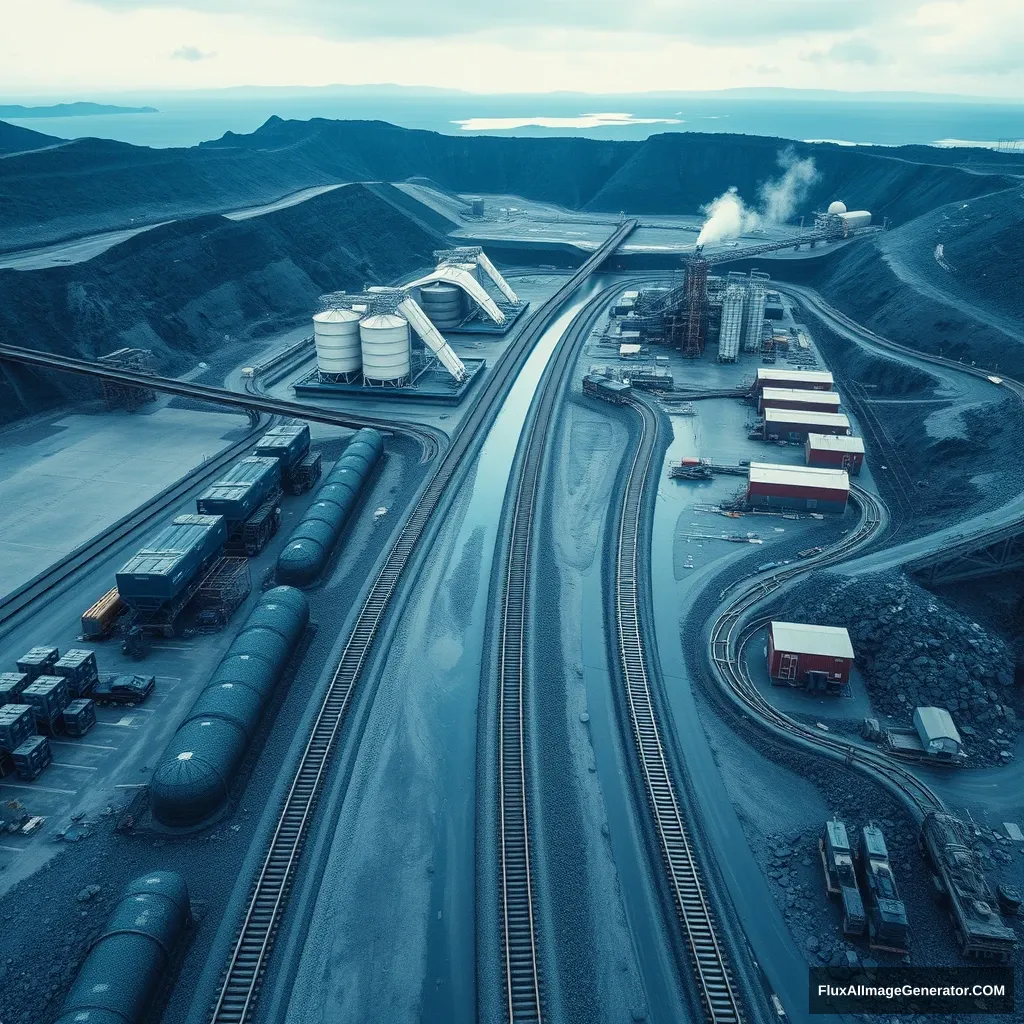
column 313, row 539
column 125, row 966
column 193, row 778
column 443, row 303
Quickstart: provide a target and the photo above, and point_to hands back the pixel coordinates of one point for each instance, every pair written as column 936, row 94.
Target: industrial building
column 795, row 424
column 809, row 380
column 819, row 657
column 797, row 487
column 757, row 290
column 732, row 319
column 938, row 735
column 835, row 451
column 798, row 398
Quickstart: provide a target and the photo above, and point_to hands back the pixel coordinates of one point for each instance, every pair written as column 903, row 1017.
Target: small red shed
column 803, row 655
column 835, row 451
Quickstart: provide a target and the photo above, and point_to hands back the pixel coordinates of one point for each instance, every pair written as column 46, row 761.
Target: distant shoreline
column 70, row 110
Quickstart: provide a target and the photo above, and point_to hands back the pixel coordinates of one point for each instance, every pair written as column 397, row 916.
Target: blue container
column 241, row 490
column 11, row 685
column 79, row 717
column 163, row 568
column 193, row 778
column 79, row 669
column 310, row 545
column 288, row 443
column 17, row 723
column 38, row 661
column 126, row 964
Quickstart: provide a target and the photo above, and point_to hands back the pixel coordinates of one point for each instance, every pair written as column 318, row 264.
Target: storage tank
column 336, row 335
column 444, row 304
column 384, row 338
column 310, row 545
column 193, row 778
column 836, row 208
column 856, row 219
column 125, row 966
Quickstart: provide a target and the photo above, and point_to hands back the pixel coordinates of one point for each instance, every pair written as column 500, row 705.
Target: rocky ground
column 912, row 650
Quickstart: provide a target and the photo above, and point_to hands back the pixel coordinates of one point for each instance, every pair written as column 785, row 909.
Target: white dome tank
column 336, row 334
column 837, row 207
column 385, row 346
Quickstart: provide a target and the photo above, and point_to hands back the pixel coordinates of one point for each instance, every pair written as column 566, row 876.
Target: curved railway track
column 247, row 961
column 735, row 625
column 710, row 962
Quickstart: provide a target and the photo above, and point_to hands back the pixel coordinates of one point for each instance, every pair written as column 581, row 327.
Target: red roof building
column 818, row 657
column 797, row 487
column 834, row 451
column 798, row 398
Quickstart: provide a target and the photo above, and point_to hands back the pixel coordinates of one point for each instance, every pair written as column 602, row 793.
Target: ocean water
column 185, row 120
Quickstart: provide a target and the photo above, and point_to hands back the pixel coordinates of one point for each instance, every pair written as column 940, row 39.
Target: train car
column 98, row 620
column 288, row 443
column 840, row 876
column 607, row 390
column 241, row 490
column 962, row 885
column 887, row 917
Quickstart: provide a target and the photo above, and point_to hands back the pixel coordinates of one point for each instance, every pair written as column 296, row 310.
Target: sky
column 80, row 49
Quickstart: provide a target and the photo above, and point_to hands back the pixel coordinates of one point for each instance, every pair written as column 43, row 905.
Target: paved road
column 79, row 250
column 960, row 386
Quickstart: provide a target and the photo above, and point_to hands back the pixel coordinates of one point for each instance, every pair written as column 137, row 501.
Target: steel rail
column 247, row 962
column 733, row 628
column 710, row 962
column 430, row 439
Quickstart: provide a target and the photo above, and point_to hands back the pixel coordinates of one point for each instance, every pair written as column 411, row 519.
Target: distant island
column 70, row 110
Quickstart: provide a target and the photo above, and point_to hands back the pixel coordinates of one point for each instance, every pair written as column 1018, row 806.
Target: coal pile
column 912, row 650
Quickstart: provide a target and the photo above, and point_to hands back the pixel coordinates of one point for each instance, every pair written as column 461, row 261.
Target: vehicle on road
column 127, row 690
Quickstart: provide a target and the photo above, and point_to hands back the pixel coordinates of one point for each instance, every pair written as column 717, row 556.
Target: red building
column 797, row 487
column 818, row 657
column 834, row 451
column 798, row 398
column 806, row 380
column 796, row 424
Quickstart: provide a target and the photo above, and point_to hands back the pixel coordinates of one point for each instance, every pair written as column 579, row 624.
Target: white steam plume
column 727, row 217
column 780, row 197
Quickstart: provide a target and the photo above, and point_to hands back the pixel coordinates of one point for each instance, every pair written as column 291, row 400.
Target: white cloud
column 969, row 46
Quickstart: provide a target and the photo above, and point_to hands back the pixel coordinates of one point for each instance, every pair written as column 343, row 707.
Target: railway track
column 738, row 622
column 710, row 962
column 264, row 907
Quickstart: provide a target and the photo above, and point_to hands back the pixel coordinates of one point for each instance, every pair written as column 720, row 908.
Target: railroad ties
column 247, row 964
column 710, row 963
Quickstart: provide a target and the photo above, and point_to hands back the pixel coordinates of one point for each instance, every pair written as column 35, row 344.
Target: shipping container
column 796, row 424
column 11, row 685
column 835, row 451
column 38, row 661
column 287, row 442
column 613, row 391
column 798, row 398
column 48, row 697
column 305, row 473
column 172, row 560
column 242, row 488
column 797, row 487
column 79, row 717
column 79, row 669
column 32, row 757
column 818, row 657
column 98, row 620
column 17, row 723
column 813, row 380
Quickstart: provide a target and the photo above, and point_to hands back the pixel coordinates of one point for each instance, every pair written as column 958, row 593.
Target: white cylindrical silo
column 385, row 348
column 856, row 218
column 336, row 335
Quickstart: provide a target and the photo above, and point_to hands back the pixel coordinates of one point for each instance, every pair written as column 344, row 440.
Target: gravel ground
column 59, row 936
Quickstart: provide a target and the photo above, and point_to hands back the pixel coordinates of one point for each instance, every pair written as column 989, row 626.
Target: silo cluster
column 351, row 346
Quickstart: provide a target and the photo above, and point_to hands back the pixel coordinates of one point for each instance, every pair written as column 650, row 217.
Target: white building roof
column 806, row 417
column 829, row 398
column 798, row 476
column 836, row 442
column 769, row 373
column 935, row 725
column 801, row 638
column 629, row 350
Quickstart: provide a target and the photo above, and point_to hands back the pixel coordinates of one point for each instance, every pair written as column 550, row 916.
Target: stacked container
column 48, row 697
column 32, row 757
column 79, row 669
column 79, row 717
column 38, row 662
column 11, row 685
column 16, row 725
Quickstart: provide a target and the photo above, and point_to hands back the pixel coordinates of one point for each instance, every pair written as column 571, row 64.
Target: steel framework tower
column 697, row 304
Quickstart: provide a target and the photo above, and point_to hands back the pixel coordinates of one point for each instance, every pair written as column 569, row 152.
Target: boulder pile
column 912, row 650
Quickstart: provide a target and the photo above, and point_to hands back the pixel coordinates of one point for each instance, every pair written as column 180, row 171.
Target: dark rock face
column 912, row 650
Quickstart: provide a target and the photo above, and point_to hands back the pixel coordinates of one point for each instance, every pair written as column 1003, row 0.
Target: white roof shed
column 937, row 732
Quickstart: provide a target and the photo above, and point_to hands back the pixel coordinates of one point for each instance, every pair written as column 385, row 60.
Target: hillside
column 186, row 289
column 14, row 139
column 93, row 185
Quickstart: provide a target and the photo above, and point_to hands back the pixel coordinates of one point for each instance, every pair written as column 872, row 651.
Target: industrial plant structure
column 797, row 487
column 800, row 654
